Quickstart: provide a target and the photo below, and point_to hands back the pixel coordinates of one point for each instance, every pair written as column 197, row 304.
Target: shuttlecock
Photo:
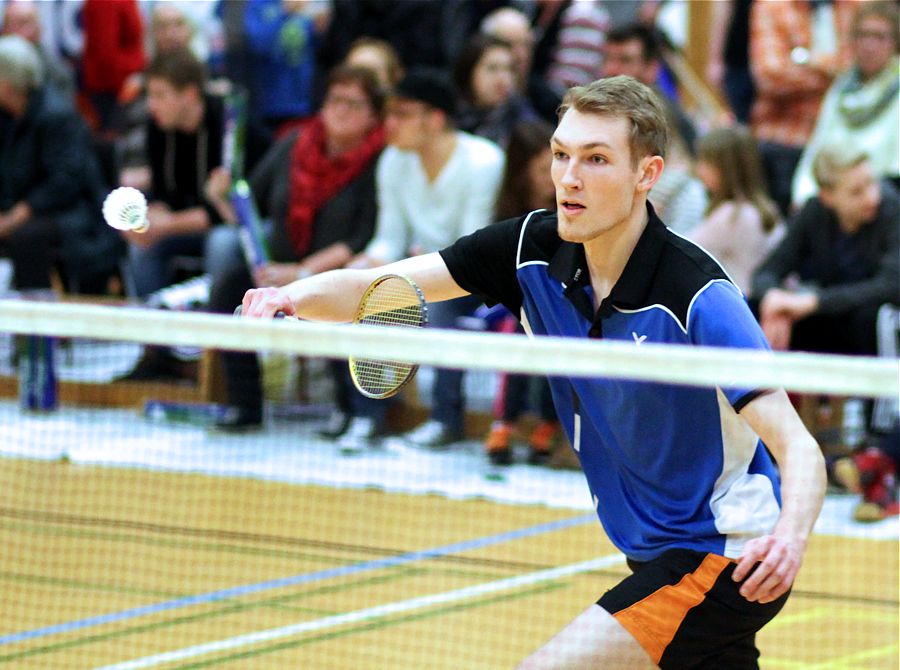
column 125, row 208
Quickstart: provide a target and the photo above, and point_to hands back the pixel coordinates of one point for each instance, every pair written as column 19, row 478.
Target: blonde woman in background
column 742, row 223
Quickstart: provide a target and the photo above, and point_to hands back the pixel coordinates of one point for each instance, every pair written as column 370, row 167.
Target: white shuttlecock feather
column 125, row 208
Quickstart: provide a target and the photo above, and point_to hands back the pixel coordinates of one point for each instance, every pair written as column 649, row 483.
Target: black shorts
column 686, row 612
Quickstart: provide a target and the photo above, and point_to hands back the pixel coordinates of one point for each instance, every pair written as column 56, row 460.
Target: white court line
column 369, row 614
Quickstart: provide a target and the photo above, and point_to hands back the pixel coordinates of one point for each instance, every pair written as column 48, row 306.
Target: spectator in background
column 489, row 104
column 821, row 287
column 526, row 187
column 281, row 38
column 317, row 188
column 796, row 49
column 50, row 183
column 728, row 64
column 862, row 107
column 742, row 224
column 379, row 57
column 184, row 145
column 512, row 26
column 635, row 50
column 435, row 183
column 113, row 51
column 170, row 30
column 20, row 17
column 578, row 55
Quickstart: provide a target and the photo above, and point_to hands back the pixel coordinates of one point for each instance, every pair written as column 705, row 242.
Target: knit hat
column 430, row 86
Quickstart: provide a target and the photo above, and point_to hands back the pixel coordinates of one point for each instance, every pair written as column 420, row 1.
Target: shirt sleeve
column 720, row 317
column 391, row 241
column 484, row 264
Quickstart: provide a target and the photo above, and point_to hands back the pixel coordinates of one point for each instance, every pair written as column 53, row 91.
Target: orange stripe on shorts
column 654, row 620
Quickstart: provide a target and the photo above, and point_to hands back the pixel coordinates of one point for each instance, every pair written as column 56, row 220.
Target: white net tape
column 699, row 366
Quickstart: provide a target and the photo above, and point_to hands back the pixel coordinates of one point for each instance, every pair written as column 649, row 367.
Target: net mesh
column 135, row 534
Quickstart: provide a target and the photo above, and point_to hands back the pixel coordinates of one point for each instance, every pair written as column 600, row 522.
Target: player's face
column 493, row 78
column 855, row 197
column 347, row 113
column 596, row 185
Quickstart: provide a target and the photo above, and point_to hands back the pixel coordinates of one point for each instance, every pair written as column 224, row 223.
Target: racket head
column 390, row 300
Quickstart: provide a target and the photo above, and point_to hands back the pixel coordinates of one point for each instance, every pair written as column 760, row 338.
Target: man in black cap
column 435, row 184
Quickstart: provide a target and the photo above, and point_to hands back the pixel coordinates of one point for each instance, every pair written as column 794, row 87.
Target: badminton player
column 681, row 477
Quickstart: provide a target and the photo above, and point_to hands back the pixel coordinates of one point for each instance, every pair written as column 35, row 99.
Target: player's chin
column 569, row 232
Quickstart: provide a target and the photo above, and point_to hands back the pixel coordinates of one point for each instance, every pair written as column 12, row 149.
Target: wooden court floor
column 130, row 568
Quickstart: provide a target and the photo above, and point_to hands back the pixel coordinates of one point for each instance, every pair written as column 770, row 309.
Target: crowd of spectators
column 375, row 130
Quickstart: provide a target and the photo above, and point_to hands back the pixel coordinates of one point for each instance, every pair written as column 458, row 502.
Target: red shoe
column 497, row 443
column 543, row 439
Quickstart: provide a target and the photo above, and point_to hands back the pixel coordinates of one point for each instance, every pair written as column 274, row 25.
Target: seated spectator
column 678, row 195
column 512, row 26
column 578, row 56
column 50, row 182
column 862, row 107
column 380, row 57
column 435, row 184
column 20, row 17
column 636, row 50
column 526, row 187
column 821, row 287
column 489, row 104
column 742, row 223
column 184, row 145
column 317, row 188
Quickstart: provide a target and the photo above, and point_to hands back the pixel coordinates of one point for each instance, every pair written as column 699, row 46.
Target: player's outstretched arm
column 334, row 295
column 803, row 482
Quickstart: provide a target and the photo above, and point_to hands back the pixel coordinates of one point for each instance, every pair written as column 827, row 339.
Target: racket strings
column 392, row 302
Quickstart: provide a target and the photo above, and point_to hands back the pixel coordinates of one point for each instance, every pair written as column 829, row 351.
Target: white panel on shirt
column 744, row 505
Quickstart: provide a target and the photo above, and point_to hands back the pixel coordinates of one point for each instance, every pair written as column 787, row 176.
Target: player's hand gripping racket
column 390, row 300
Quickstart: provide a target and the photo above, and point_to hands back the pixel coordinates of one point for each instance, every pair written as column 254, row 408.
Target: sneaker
column 361, row 434
column 497, row 443
column 431, row 434
column 337, row 425
column 542, row 441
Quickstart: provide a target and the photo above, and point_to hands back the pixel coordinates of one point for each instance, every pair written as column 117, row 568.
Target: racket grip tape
column 240, row 308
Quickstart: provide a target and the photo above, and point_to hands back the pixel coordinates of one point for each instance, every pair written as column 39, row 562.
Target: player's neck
column 436, row 153
column 608, row 253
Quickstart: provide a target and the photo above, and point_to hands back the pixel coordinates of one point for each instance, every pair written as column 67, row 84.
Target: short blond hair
column 832, row 161
column 624, row 97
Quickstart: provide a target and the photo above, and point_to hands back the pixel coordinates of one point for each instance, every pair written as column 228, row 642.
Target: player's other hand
column 264, row 303
column 776, row 559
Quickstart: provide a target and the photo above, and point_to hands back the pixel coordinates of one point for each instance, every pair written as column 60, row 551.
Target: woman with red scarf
column 317, row 188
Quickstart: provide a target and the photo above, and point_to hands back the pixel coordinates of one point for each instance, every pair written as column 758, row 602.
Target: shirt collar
column 569, row 266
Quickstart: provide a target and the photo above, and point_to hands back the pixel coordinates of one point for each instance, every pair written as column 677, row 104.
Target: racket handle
column 239, row 309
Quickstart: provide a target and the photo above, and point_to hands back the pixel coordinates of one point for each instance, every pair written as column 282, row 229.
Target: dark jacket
column 348, row 217
column 847, row 271
column 47, row 159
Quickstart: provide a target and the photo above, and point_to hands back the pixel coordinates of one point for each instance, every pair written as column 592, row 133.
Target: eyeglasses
column 874, row 35
column 352, row 104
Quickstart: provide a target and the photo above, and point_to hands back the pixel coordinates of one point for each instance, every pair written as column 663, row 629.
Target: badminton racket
column 390, row 300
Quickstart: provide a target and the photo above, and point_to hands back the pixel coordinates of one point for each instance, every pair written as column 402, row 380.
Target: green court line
column 232, row 607
column 375, row 625
column 86, row 586
column 53, row 531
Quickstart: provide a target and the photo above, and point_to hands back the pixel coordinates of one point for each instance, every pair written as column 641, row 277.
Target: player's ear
column 650, row 169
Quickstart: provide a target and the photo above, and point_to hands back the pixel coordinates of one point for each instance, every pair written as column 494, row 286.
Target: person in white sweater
column 435, row 184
